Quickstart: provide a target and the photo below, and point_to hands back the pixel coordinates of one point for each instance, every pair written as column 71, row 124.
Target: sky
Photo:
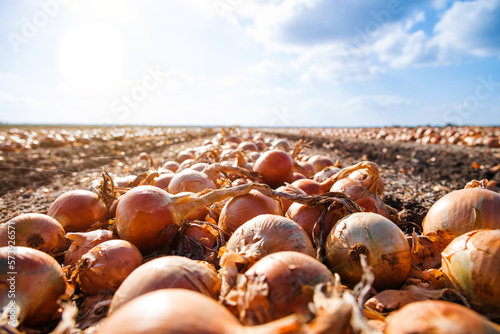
column 321, row 63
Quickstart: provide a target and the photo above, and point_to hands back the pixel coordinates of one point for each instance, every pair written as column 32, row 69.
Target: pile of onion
column 34, row 230
column 382, row 242
column 31, row 283
column 471, row 265
column 172, row 272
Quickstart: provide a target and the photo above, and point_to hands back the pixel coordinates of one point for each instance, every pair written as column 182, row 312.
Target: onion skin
column 471, row 265
column 437, row 316
column 172, row 272
column 275, row 167
column 373, row 235
column 102, row 269
column 39, row 283
column 240, row 209
column 35, row 230
column 78, row 210
column 464, row 210
column 82, row 243
column 276, row 286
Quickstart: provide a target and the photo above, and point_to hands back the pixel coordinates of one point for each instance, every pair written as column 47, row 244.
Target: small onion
column 276, row 167
column 190, row 180
column 307, row 216
column 277, row 285
column 34, row 230
column 181, row 311
column 379, row 239
column 82, row 243
column 464, row 210
column 104, row 267
column 320, row 162
column 471, row 265
column 35, row 286
column 168, row 272
column 239, row 210
column 78, row 210
column 437, row 316
column 163, row 180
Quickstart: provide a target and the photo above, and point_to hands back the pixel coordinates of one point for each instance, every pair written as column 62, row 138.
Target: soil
column 415, row 175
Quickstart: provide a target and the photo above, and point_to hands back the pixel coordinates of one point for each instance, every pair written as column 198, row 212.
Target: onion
column 240, row 209
column 168, row 272
column 326, row 173
column 464, row 210
column 31, row 281
column 305, row 168
column 181, row 311
column 82, row 243
column 149, row 217
column 275, row 167
column 277, row 285
column 171, row 165
column 437, row 316
column 307, row 216
column 379, row 239
column 471, row 265
column 190, row 180
column 78, row 210
column 285, row 203
column 34, row 230
column 311, row 187
column 163, row 181
column 320, row 162
column 104, row 267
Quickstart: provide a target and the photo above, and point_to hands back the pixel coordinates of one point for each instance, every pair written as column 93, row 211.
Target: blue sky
column 250, row 62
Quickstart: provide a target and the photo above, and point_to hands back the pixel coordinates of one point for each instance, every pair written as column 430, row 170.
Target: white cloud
column 375, row 102
column 265, row 67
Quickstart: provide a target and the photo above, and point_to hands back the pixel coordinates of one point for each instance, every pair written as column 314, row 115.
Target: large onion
column 277, row 285
column 181, row 311
column 83, row 242
column 103, row 268
column 464, row 210
column 239, row 210
column 34, row 230
column 168, row 272
column 471, row 265
column 275, row 167
column 437, row 316
column 149, row 217
column 379, row 239
column 31, row 280
column 78, row 210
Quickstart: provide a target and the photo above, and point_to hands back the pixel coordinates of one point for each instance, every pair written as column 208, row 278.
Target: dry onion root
column 172, row 272
column 34, row 230
column 471, row 265
column 437, row 316
column 30, row 295
column 376, row 237
column 277, row 285
column 104, row 267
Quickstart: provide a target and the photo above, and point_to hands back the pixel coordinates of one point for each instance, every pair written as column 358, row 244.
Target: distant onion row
column 246, row 233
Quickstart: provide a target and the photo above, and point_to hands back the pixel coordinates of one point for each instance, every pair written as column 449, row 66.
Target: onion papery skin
column 82, row 243
column 437, row 316
column 277, row 285
column 239, row 210
column 168, row 272
column 464, row 210
column 326, row 173
column 266, row 234
column 307, row 216
column 34, row 230
column 171, row 311
column 190, row 180
column 145, row 217
column 471, row 265
column 39, row 283
column 276, row 167
column 366, row 199
column 77, row 210
column 103, row 268
column 379, row 239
